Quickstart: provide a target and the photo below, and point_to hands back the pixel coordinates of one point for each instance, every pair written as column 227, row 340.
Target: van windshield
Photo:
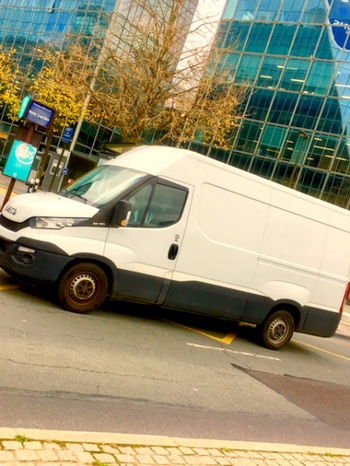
column 102, row 184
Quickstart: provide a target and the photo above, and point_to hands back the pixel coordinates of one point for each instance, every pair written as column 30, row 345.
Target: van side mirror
column 121, row 214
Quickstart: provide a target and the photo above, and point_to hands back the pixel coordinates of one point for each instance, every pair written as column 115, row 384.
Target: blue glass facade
column 44, row 20
column 28, row 25
column 294, row 56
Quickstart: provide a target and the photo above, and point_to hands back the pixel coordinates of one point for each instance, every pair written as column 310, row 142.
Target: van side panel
column 249, row 247
column 221, row 245
column 335, row 262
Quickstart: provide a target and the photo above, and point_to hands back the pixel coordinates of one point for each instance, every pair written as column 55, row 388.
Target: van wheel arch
column 290, row 307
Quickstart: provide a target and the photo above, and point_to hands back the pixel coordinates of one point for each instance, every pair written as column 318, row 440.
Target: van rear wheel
column 83, row 287
column 276, row 330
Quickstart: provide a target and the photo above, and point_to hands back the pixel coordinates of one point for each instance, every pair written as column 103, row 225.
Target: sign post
column 19, row 163
column 24, row 148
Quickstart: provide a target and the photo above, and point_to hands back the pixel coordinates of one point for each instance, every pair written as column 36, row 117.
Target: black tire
column 277, row 330
column 83, row 288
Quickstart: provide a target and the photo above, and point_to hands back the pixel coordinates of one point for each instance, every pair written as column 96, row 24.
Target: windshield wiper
column 71, row 194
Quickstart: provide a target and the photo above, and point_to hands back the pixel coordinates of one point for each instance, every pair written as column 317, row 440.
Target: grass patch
column 21, row 438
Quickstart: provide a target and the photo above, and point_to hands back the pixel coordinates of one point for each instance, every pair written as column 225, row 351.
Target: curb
column 164, row 441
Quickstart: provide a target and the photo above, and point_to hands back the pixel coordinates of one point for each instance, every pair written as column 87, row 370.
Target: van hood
column 24, row 206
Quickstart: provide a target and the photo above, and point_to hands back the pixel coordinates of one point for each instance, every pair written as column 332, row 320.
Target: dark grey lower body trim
column 40, row 266
column 320, row 322
column 198, row 297
column 45, row 265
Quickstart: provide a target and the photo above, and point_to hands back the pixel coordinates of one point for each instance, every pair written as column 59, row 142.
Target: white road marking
column 242, row 353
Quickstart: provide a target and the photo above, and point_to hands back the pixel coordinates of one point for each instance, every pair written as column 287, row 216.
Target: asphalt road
column 138, row 370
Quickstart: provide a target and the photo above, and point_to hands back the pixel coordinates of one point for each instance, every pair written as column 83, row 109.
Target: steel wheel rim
column 83, row 287
column 278, row 330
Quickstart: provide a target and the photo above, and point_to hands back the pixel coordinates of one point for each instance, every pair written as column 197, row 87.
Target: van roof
column 156, row 159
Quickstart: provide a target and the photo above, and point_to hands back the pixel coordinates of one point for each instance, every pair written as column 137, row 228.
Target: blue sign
column 20, row 160
column 39, row 114
column 339, row 18
column 67, row 134
column 65, row 171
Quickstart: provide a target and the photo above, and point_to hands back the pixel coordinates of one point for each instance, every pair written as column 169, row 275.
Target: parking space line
column 242, row 353
column 322, row 350
column 228, row 339
column 9, row 287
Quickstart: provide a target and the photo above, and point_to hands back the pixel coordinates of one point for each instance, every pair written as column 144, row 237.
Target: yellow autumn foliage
column 10, row 79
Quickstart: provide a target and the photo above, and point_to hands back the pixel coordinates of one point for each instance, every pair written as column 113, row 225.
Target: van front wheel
column 276, row 330
column 83, row 288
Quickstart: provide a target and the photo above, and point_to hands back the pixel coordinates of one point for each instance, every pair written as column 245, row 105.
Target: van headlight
column 55, row 223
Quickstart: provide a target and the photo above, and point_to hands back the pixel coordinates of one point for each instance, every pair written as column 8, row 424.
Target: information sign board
column 20, row 160
column 39, row 114
column 67, row 134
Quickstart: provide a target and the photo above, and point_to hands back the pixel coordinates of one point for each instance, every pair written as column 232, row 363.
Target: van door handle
column 173, row 251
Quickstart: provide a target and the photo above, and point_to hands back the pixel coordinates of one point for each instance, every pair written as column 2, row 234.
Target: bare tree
column 154, row 82
column 154, row 76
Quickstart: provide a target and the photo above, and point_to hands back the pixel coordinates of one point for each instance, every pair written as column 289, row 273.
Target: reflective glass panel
column 324, row 49
column 294, row 74
column 248, row 136
column 281, row 39
column 296, row 145
column 240, row 160
column 248, row 68
column 337, row 190
column 246, row 10
column 307, row 111
column 291, row 10
column 306, row 41
column 262, row 167
column 321, row 151
column 270, row 71
column 314, row 12
column 268, row 10
column 233, row 34
column 330, row 119
column 272, row 140
column 283, row 173
column 259, row 103
column 282, row 107
column 320, row 77
column 258, row 37
column 343, row 80
column 341, row 162
column 311, row 181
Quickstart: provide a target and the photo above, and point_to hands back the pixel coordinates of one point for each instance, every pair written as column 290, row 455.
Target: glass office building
column 294, row 56
column 29, row 25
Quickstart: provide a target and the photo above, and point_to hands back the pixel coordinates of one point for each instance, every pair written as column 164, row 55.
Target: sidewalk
column 33, row 447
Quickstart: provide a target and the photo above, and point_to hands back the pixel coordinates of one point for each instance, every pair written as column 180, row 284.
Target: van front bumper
column 33, row 259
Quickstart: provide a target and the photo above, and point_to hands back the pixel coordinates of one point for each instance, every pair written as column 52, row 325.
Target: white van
column 171, row 227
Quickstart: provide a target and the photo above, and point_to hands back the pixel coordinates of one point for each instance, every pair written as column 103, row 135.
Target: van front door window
column 156, row 206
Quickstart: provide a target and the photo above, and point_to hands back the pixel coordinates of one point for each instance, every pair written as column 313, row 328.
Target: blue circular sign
column 339, row 18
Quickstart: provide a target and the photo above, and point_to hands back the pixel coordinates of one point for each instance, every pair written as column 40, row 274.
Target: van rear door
column 146, row 250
